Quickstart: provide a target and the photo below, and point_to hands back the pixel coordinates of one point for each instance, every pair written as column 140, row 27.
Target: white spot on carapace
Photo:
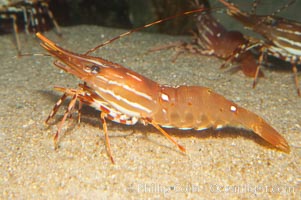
column 218, row 35
column 219, row 126
column 164, row 97
column 233, row 108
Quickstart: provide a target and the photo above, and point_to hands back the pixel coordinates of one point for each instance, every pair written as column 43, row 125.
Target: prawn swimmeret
column 124, row 96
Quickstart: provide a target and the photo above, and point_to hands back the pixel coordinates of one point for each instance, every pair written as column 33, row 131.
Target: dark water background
column 133, row 13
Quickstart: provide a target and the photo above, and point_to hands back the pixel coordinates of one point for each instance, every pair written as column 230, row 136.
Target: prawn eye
column 95, row 69
column 271, row 21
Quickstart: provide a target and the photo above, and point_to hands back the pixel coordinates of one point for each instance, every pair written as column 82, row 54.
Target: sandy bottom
column 229, row 163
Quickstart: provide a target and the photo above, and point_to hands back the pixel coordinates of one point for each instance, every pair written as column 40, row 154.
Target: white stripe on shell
column 289, row 49
column 122, row 109
column 288, row 31
column 125, row 87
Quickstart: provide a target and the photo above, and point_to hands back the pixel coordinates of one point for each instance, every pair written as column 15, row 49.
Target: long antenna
column 146, row 26
column 285, row 6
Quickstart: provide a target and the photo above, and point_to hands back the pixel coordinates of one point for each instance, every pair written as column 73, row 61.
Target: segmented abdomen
column 193, row 107
column 196, row 107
